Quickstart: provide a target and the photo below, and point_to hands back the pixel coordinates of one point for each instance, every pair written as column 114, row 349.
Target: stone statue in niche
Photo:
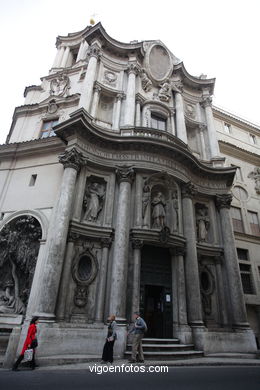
column 158, row 213
column 255, row 174
column 146, row 205
column 60, row 85
column 19, row 246
column 93, row 201
column 165, row 92
column 175, row 204
column 146, row 82
column 202, row 222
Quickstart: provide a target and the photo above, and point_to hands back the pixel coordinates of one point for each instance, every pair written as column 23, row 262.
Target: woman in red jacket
column 30, row 342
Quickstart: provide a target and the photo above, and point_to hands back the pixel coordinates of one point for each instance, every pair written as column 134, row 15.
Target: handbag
column 34, row 343
column 28, row 355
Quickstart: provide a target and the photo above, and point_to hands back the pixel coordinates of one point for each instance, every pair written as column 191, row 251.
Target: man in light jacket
column 138, row 332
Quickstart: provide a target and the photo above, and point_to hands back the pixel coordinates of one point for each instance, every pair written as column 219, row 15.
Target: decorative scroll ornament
column 223, row 201
column 60, row 85
column 72, row 159
column 189, row 190
column 125, row 173
column 177, row 86
column 136, row 243
column 207, row 102
column 146, row 82
column 255, row 174
column 165, row 92
column 133, row 68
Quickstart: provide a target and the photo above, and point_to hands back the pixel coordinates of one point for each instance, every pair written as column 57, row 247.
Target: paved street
column 179, row 378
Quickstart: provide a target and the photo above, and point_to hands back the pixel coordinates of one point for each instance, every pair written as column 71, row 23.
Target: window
column 252, row 139
column 246, row 278
column 32, row 180
column 157, row 122
column 237, row 220
column 254, row 223
column 242, row 254
column 47, row 126
column 227, row 128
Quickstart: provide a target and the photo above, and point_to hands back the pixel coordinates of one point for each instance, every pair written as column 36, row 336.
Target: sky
column 219, row 38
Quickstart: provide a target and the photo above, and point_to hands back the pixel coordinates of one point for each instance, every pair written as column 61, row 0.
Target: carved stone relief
column 110, row 78
column 84, row 271
column 94, row 199
column 190, row 110
column 60, row 85
column 165, row 92
column 255, row 174
column 19, row 246
column 207, row 288
column 202, row 222
column 146, row 82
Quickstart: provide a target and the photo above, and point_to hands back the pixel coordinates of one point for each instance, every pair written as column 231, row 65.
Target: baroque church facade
column 123, row 189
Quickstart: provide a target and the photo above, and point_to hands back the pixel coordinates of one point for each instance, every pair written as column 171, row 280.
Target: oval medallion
column 159, row 62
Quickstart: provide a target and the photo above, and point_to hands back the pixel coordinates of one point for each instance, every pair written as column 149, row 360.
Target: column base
column 45, row 317
column 198, row 334
column 183, row 333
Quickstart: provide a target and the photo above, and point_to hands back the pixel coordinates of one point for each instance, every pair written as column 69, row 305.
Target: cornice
column 80, row 125
column 32, row 148
column 240, row 122
column 237, row 152
column 247, row 238
column 192, row 81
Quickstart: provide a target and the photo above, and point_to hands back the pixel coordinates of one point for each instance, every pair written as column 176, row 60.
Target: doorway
column 156, row 291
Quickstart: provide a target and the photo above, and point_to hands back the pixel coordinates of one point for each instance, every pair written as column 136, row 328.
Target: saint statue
column 158, row 214
column 202, row 221
column 93, row 202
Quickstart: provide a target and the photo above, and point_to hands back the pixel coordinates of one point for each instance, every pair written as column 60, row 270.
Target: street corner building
column 123, row 189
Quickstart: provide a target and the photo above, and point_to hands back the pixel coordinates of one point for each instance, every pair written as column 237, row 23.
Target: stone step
column 67, row 359
column 149, row 340
column 169, row 355
column 164, row 347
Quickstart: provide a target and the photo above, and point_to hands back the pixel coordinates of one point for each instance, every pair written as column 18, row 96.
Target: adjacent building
column 122, row 189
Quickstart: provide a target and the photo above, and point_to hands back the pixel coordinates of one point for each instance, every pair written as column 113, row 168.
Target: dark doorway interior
column 156, row 291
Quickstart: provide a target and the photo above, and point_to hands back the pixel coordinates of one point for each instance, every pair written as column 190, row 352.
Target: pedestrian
column 107, row 355
column 30, row 343
column 138, row 332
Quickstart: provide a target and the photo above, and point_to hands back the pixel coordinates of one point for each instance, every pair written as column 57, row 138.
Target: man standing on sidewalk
column 138, row 332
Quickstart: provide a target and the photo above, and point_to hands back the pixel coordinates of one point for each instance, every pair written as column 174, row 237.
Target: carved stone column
column 212, row 134
column 116, row 124
column 81, row 52
column 97, row 90
column 137, row 246
column 87, row 86
column 202, row 128
column 237, row 302
column 125, row 177
column 138, row 112
column 180, row 119
column 138, row 201
column 58, row 57
column 72, row 161
column 129, row 119
column 65, row 57
column 100, row 303
column 191, row 260
column 180, row 321
column 221, row 293
column 173, row 122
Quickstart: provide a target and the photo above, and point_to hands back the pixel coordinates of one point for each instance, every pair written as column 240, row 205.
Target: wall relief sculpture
column 146, row 82
column 60, row 85
column 165, row 92
column 202, row 222
column 19, row 246
column 207, row 288
column 84, row 271
column 255, row 174
column 160, row 203
column 94, row 198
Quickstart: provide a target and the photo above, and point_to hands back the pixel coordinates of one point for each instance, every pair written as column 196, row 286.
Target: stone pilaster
column 100, row 303
column 88, row 83
column 173, row 130
column 119, row 98
column 202, row 129
column 212, row 134
column 97, row 90
column 138, row 112
column 65, row 57
column 72, row 161
column 125, row 177
column 180, row 118
column 231, row 266
column 129, row 119
column 221, row 292
column 191, row 260
column 137, row 246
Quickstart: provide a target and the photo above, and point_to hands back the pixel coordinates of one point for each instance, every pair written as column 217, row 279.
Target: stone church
column 123, row 189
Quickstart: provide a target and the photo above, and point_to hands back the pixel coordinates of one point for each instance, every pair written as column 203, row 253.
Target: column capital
column 136, row 243
column 94, row 51
column 133, row 67
column 202, row 126
column 120, row 96
column 125, row 173
column 223, row 201
column 97, row 88
column 72, row 159
column 72, row 236
column 189, row 190
column 106, row 242
column 177, row 86
column 207, row 102
column 177, row 251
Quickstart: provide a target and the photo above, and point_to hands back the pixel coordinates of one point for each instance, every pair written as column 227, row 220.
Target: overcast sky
column 219, row 38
